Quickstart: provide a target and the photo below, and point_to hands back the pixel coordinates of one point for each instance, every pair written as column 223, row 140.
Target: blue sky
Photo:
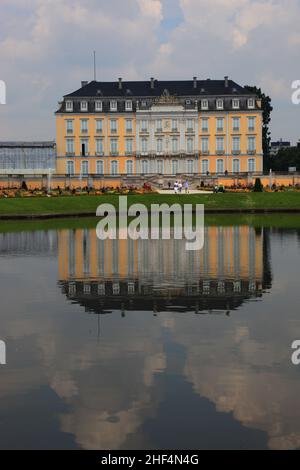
column 46, row 49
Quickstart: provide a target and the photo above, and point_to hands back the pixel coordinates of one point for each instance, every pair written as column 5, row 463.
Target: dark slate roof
column 174, row 87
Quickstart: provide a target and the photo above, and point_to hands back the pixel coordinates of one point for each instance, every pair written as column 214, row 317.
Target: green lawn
column 88, row 204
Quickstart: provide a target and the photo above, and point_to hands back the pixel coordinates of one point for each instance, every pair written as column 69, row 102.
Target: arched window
column 236, row 165
column 145, row 168
column 129, row 167
column 220, row 165
column 204, row 166
column 70, row 168
column 114, row 167
column 100, row 167
column 251, row 164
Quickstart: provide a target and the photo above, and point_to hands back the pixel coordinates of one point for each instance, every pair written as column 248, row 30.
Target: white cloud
column 46, row 49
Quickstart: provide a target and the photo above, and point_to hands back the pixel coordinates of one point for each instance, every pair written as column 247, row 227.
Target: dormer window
column 188, row 102
column 128, row 105
column 69, row 106
column 98, row 105
column 113, row 106
column 144, row 103
column 235, row 103
column 83, row 106
column 251, row 103
column 204, row 104
column 220, row 104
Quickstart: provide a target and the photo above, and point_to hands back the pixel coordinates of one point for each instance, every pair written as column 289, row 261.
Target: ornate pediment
column 166, row 99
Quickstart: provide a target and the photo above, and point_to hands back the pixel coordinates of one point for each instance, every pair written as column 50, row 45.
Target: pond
column 123, row 344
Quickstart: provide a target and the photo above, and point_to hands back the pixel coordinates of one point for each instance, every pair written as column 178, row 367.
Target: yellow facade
column 230, row 142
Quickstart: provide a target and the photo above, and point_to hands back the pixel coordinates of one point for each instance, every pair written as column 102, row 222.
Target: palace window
column 220, row 124
column 174, row 167
column 128, row 146
column 70, row 146
column 190, row 166
column 144, row 145
column 98, row 105
column 145, row 168
column 190, row 145
column 70, row 168
column 159, row 125
column 160, row 166
column 113, row 105
column 220, row 144
column 204, row 124
column 251, row 164
column 99, row 125
column 251, row 144
column 113, row 126
column 114, row 167
column 129, row 167
column 84, row 168
column 114, row 146
column 236, row 124
column 204, row 145
column 100, row 167
column 128, row 125
column 69, row 126
column 236, row 165
column 220, row 166
column 128, row 105
column 84, row 126
column 190, row 125
column 69, row 106
column 236, row 144
column 235, row 103
column 83, row 106
column 159, row 145
column 99, row 146
column 174, row 145
column 204, row 104
column 174, row 125
column 84, row 146
column 251, row 103
column 205, row 167
column 251, row 123
column 144, row 125
column 220, row 104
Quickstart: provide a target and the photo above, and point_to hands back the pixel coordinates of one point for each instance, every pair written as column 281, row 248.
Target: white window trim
column 113, row 105
column 254, row 166
column 72, row 165
column 83, row 106
column 102, row 164
column 204, row 104
column 220, row 103
column 128, row 105
column 69, row 106
column 235, row 103
column 239, row 165
column 207, row 169
column 98, row 105
column 248, row 103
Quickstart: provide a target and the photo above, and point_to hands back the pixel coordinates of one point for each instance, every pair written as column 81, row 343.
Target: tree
column 285, row 158
column 258, row 187
column 267, row 108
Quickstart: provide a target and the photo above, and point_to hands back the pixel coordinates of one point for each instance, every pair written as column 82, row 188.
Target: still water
column 141, row 344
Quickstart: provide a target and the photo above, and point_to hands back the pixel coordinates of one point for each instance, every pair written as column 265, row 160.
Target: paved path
column 191, row 191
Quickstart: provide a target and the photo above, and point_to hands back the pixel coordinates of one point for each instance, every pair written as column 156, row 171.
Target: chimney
column 120, row 83
column 84, row 83
column 152, row 82
column 226, row 82
column 195, row 82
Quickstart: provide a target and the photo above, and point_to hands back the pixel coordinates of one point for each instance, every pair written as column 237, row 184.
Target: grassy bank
column 284, row 221
column 88, row 204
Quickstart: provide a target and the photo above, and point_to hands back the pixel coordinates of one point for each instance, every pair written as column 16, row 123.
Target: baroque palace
column 159, row 129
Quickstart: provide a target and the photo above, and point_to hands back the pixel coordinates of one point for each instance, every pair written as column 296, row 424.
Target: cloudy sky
column 46, row 49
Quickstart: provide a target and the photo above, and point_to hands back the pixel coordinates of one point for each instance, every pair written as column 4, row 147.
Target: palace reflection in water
column 159, row 275
column 152, row 373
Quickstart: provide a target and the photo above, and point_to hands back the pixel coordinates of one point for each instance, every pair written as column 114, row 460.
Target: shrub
column 258, row 187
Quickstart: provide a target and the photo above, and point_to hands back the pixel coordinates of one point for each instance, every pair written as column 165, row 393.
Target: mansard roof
column 173, row 87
